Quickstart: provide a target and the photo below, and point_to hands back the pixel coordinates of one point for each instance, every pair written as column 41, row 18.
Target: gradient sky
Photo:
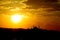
column 45, row 13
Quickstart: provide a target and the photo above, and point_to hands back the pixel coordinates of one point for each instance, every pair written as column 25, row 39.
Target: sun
column 16, row 18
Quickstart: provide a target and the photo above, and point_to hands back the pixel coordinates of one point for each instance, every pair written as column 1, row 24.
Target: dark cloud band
column 34, row 4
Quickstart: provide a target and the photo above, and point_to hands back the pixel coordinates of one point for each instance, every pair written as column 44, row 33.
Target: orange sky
column 45, row 14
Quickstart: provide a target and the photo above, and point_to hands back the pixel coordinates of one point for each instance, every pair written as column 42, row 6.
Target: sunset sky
column 42, row 13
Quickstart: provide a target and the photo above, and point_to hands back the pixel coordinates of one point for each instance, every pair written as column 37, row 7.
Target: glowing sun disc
column 16, row 18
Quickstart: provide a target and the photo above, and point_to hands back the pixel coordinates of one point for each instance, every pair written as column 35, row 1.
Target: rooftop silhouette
column 26, row 34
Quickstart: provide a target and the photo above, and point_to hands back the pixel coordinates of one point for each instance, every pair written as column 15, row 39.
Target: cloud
column 6, row 5
column 35, row 4
column 44, row 7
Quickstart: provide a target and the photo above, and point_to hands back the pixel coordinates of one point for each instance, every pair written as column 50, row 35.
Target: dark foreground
column 29, row 34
